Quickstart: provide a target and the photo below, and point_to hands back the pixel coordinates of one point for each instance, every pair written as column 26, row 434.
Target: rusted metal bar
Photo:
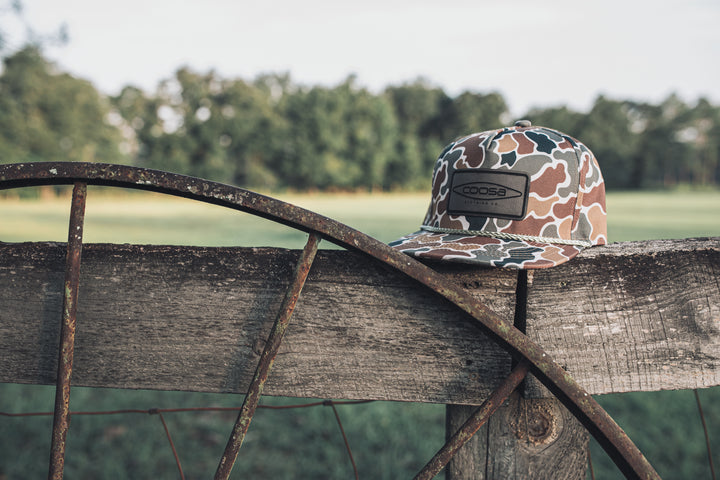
column 61, row 416
column 267, row 359
column 172, row 444
column 345, row 439
column 473, row 424
column 707, row 435
column 609, row 435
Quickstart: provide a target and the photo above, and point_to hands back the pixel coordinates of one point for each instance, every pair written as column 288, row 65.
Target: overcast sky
column 535, row 53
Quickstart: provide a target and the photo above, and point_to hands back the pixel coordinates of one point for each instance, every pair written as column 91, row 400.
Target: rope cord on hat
column 507, row 236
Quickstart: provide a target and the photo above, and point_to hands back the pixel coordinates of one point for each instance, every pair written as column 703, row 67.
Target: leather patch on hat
column 488, row 193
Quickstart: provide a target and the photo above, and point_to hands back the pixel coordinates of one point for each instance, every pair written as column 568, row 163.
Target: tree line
column 273, row 133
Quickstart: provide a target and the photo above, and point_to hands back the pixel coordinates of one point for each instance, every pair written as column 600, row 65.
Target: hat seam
column 580, row 193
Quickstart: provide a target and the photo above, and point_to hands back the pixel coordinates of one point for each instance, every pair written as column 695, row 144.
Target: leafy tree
column 607, row 131
column 664, row 153
column 405, row 169
column 559, row 118
column 428, row 119
column 418, row 108
column 197, row 124
column 49, row 116
column 371, row 130
column 340, row 137
column 700, row 133
column 203, row 125
column 251, row 129
column 312, row 140
column 471, row 112
column 139, row 114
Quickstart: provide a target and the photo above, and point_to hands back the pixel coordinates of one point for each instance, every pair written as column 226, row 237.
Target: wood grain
column 196, row 319
column 626, row 317
column 636, row 316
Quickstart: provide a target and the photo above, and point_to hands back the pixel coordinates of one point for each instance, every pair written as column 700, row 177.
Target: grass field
column 389, row 440
column 152, row 218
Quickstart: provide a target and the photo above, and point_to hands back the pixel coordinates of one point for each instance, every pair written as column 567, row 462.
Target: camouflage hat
column 520, row 197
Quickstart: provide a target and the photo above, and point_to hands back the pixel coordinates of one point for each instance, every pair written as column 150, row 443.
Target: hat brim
column 485, row 251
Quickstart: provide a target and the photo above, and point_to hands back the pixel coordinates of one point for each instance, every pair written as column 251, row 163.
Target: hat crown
column 521, row 180
column 519, row 197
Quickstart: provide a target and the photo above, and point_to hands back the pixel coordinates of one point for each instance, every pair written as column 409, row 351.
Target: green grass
column 654, row 215
column 389, row 440
column 152, row 218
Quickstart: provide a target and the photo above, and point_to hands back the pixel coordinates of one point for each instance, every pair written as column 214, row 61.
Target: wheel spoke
column 61, row 416
column 267, row 359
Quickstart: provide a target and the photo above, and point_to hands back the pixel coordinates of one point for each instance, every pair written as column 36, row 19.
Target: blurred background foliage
column 273, row 134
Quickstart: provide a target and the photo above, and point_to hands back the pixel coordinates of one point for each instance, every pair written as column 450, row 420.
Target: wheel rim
column 609, row 435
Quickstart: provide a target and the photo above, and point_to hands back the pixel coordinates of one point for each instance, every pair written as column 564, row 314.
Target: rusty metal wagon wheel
column 530, row 356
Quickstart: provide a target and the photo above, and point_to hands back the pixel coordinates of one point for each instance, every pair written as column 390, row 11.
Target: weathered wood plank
column 195, row 318
column 631, row 316
column 636, row 316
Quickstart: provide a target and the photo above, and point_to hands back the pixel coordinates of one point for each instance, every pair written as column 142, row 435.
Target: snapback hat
column 520, row 197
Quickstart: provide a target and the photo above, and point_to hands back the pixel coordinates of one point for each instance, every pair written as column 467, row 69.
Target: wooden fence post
column 526, row 438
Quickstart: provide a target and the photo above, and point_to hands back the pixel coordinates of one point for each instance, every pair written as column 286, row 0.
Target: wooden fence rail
column 636, row 316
